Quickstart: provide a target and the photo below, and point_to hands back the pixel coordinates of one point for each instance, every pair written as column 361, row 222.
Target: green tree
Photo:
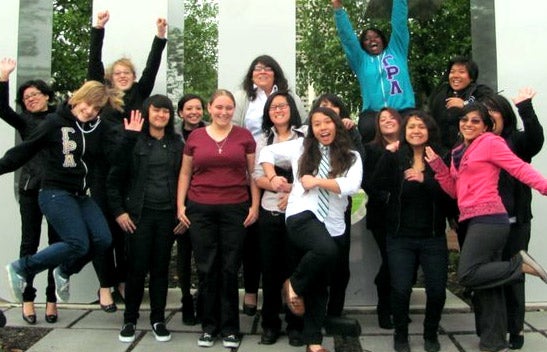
column 71, row 28
column 200, row 47
column 434, row 39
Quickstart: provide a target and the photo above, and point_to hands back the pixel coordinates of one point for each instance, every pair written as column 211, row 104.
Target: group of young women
column 268, row 186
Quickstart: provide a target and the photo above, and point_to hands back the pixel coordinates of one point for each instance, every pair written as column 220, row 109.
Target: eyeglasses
column 466, row 119
column 119, row 73
column 31, row 95
column 259, row 68
column 281, row 106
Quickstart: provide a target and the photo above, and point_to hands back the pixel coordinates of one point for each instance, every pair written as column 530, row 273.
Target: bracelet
column 271, row 178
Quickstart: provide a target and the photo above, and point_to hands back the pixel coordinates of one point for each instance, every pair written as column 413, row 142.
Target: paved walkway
column 83, row 328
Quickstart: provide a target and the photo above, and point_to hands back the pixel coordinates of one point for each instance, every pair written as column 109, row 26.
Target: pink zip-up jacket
column 475, row 183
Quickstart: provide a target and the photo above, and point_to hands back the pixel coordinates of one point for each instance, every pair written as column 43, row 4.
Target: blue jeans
column 82, row 230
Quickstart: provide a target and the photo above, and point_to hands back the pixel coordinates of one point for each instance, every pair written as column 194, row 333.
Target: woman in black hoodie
column 71, row 140
column 36, row 99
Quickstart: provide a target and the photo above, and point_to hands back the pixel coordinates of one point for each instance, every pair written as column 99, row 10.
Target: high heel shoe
column 51, row 318
column 108, row 308
column 29, row 318
column 249, row 308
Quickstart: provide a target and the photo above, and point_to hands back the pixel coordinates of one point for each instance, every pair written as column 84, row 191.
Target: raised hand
column 161, row 24
column 135, row 122
column 7, row 66
column 430, row 154
column 102, row 18
column 524, row 93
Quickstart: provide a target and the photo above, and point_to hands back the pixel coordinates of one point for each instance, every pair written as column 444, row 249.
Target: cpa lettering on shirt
column 392, row 71
column 68, row 146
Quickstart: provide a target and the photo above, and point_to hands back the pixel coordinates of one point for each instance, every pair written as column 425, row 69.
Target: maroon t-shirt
column 219, row 169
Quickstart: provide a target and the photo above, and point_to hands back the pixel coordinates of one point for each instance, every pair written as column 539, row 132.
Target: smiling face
column 373, row 43
column 416, row 132
column 191, row 113
column 158, row 118
column 280, row 112
column 472, row 126
column 122, row 77
column 459, row 77
column 323, row 128
column 221, row 110
column 34, row 100
column 85, row 112
column 263, row 77
column 389, row 126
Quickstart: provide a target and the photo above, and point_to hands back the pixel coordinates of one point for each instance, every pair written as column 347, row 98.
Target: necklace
column 221, row 145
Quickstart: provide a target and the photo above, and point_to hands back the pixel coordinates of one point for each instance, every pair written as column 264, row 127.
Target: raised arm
column 148, row 78
column 400, row 35
column 349, row 40
column 95, row 66
column 529, row 141
column 7, row 66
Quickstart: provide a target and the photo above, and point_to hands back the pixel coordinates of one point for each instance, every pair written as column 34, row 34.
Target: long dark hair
column 433, row 134
column 294, row 120
column 499, row 103
column 341, row 157
column 159, row 101
column 279, row 77
column 378, row 137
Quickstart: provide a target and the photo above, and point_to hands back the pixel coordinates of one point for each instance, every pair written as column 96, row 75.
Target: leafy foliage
column 434, row 39
column 200, row 47
column 70, row 51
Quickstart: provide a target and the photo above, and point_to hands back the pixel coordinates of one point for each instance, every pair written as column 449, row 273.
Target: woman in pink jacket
column 473, row 180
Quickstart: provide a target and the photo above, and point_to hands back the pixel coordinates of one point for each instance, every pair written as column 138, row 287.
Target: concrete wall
column 249, row 28
column 521, row 57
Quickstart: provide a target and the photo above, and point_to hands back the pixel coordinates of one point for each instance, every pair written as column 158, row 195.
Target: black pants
column 217, row 235
column 251, row 259
column 383, row 277
column 405, row 254
column 31, row 228
column 515, row 298
column 339, row 282
column 312, row 274
column 110, row 266
column 149, row 251
column 482, row 269
column 276, row 258
column 184, row 263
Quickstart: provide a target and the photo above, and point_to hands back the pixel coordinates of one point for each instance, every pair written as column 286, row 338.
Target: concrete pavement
column 84, row 328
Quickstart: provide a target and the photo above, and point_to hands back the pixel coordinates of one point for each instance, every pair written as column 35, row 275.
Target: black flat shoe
column 249, row 310
column 30, row 319
column 108, row 308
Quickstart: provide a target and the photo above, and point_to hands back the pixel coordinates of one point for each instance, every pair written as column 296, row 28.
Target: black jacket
column 140, row 90
column 69, row 148
column 128, row 176
column 448, row 119
column 388, row 177
column 516, row 196
column 24, row 123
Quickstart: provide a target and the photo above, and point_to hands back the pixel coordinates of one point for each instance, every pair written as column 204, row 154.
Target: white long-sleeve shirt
column 301, row 200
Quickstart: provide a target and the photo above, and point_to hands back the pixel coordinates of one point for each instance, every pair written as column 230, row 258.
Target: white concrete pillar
column 249, row 28
column 521, row 57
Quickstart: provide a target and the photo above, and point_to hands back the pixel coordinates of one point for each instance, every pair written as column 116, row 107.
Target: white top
column 255, row 111
column 301, row 200
column 270, row 199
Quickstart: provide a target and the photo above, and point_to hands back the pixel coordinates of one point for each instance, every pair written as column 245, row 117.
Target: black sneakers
column 206, row 340
column 231, row 341
column 160, row 332
column 127, row 333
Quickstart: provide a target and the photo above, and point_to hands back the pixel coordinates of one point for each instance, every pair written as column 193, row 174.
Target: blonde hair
column 97, row 94
column 125, row 62
column 220, row 93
